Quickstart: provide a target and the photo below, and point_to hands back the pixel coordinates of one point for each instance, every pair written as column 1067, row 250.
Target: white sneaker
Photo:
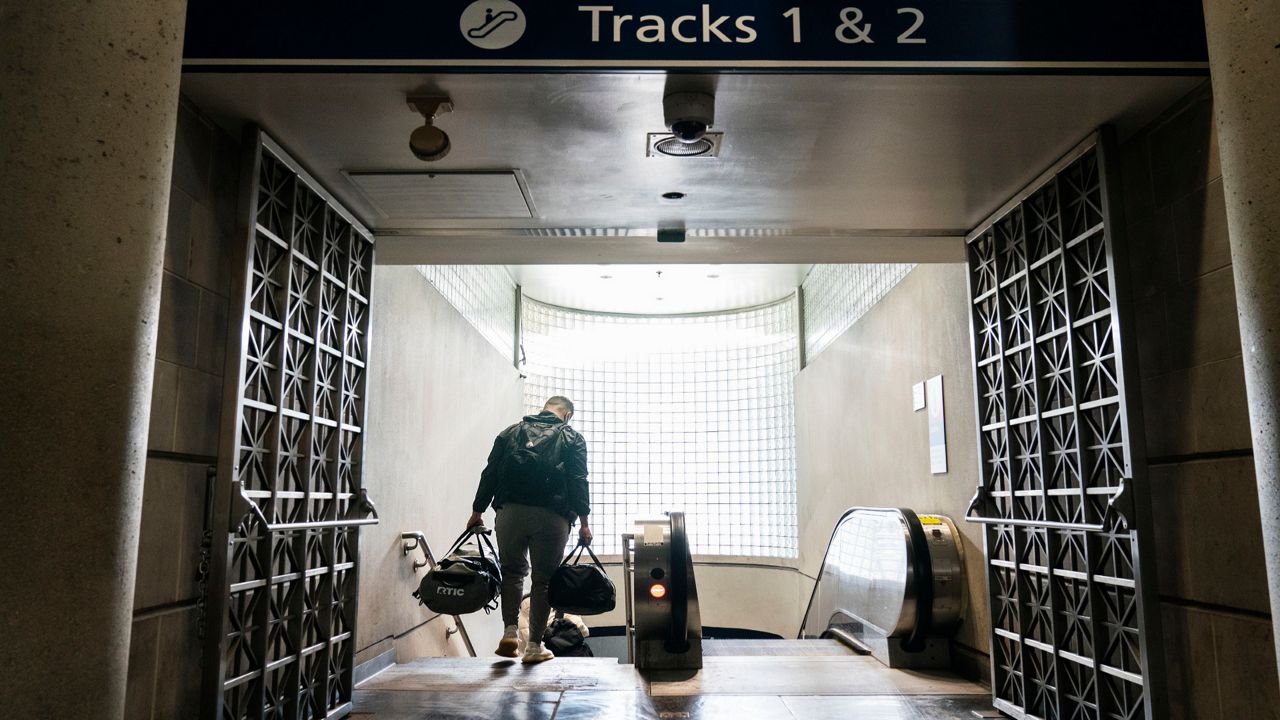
column 509, row 644
column 535, row 653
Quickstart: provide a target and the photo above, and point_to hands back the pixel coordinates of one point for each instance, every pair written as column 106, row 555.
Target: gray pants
column 542, row 534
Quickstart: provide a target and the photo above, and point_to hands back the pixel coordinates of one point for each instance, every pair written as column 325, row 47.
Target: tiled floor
column 812, row 686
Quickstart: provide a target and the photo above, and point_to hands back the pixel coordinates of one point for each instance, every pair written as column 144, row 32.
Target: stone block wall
column 186, row 407
column 1212, row 580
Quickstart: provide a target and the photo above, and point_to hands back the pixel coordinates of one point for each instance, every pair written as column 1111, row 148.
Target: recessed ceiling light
column 713, row 277
column 673, row 196
column 606, row 277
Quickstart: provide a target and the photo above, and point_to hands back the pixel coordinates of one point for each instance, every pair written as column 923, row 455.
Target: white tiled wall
column 484, row 294
column 835, row 296
column 692, row 413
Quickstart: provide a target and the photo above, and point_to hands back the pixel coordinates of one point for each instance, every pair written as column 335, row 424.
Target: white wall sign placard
column 937, row 426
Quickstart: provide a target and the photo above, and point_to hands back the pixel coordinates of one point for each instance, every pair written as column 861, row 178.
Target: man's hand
column 584, row 533
column 476, row 519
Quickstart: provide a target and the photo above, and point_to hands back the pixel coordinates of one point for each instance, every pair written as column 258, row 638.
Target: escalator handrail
column 919, row 546
column 679, row 639
column 922, row 579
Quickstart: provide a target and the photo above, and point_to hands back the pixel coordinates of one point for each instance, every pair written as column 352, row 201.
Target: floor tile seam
column 810, row 693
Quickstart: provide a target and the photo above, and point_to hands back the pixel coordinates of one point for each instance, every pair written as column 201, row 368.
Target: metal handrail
column 321, row 524
column 629, row 621
column 416, row 540
column 1119, row 510
column 419, row 543
column 245, row 510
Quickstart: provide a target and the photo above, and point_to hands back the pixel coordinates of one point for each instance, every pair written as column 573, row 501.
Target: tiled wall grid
column 692, row 413
column 835, row 296
column 484, row 294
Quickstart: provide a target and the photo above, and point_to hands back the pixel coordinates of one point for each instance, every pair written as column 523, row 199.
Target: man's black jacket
column 576, row 501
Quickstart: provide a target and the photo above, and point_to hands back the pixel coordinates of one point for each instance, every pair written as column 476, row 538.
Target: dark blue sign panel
column 852, row 35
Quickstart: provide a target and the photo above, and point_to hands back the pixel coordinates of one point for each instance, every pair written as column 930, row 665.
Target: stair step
column 494, row 674
column 774, row 648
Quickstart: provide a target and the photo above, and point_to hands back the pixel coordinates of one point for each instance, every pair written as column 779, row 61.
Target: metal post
column 801, row 335
column 516, row 325
column 627, row 539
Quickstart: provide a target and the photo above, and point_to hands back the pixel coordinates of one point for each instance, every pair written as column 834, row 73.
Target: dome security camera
column 689, row 114
column 428, row 142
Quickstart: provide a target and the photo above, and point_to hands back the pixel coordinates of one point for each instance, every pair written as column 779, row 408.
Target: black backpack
column 465, row 581
column 533, row 472
column 564, row 639
column 581, row 589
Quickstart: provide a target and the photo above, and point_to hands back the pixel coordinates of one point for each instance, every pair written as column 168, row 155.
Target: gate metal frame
column 1063, row 494
column 289, row 501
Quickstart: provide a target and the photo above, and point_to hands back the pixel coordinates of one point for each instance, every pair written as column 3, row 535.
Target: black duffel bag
column 465, row 581
column 564, row 639
column 581, row 589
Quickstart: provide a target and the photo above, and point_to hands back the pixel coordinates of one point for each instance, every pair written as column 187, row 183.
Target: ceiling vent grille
column 668, row 145
column 409, row 196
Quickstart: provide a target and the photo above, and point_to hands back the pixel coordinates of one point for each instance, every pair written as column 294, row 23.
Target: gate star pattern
column 1055, row 449
column 287, row 645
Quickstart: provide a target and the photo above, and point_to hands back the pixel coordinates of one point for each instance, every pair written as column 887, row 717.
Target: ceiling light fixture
column 428, row 142
column 673, row 195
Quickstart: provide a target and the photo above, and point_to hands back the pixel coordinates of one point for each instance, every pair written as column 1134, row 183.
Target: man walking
column 536, row 479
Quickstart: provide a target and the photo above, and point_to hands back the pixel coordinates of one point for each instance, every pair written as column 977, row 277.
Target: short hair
column 559, row 401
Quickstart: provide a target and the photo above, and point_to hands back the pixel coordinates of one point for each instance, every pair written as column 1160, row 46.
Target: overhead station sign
column 1139, row 36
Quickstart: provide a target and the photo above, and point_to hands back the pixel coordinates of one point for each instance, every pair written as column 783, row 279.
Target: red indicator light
column 657, row 591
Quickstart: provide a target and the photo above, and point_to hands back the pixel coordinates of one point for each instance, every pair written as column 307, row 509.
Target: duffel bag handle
column 576, row 554
column 481, row 532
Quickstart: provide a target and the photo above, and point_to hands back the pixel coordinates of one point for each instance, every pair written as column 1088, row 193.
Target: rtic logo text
column 448, row 591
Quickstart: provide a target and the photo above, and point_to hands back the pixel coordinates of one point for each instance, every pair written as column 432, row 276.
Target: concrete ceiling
column 658, row 289
column 814, row 168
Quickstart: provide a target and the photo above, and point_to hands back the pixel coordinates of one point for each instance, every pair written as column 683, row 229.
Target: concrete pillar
column 1244, row 58
column 88, row 105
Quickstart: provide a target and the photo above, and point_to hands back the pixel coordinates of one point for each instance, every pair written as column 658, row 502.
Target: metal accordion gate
column 280, row 635
column 1063, row 490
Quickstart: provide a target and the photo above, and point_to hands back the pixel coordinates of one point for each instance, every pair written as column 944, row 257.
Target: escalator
column 891, row 585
